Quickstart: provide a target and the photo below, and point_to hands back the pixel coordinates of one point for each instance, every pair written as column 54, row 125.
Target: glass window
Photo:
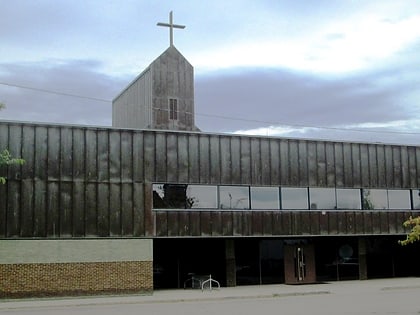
column 173, row 109
column 265, row 198
column 375, row 199
column 201, row 197
column 234, row 197
column 322, row 198
column 294, row 198
column 399, row 199
column 415, row 195
column 169, row 196
column 348, row 199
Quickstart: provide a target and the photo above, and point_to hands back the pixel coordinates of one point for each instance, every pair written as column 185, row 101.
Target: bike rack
column 210, row 281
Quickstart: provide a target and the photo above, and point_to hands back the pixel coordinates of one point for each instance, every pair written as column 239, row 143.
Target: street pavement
column 380, row 296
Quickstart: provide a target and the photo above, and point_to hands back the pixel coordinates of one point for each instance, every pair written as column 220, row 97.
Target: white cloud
column 339, row 47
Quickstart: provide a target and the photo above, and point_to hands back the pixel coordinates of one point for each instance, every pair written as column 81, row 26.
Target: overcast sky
column 342, row 70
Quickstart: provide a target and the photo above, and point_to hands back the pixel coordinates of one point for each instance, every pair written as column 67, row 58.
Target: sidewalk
column 240, row 292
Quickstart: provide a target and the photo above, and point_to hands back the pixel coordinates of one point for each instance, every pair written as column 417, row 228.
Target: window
column 399, row 199
column 169, row 196
column 201, row 197
column 348, row 198
column 234, row 197
column 375, row 199
column 178, row 196
column 265, row 198
column 322, row 198
column 173, row 109
column 294, row 198
column 415, row 194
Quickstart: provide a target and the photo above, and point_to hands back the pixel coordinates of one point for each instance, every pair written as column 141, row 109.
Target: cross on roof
column 171, row 26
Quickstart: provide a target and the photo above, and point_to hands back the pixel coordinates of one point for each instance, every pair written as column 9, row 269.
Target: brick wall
column 86, row 278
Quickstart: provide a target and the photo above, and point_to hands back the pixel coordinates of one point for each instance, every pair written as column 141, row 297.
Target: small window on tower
column 173, row 109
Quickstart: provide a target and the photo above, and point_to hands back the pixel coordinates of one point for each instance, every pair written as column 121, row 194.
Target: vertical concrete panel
column 312, row 164
column 138, row 210
column 66, row 209
column 183, row 158
column 225, row 160
column 256, row 168
column 127, row 207
column 66, row 154
column 115, row 209
column 329, row 149
column 284, row 162
column 293, row 163
column 114, row 156
column 275, row 162
column 397, row 167
column 412, row 167
column 356, row 165
column 103, row 209
column 27, row 213
column 172, row 157
column 380, row 159
column 91, row 209
column 265, row 162
column 245, row 160
column 235, row 152
column 41, row 153
column 79, row 154
column 364, row 165
column 149, row 157
column 389, row 167
column 162, row 158
column 204, row 153
column 138, row 157
column 53, row 209
column 303, row 163
column 103, row 155
column 78, row 198
column 347, row 165
column 193, row 158
column 339, row 164
column 91, row 155
column 373, row 165
column 126, row 156
column 322, row 164
column 405, row 173
column 215, row 169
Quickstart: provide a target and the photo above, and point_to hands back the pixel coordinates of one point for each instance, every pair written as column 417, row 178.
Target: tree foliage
column 6, row 158
column 414, row 235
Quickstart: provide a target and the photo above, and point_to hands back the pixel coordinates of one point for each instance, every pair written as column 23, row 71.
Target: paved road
column 401, row 296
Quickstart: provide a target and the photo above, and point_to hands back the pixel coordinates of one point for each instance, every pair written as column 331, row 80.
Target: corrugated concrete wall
column 133, row 107
column 80, row 181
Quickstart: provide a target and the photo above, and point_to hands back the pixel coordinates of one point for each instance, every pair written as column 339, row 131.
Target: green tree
column 6, row 158
column 414, row 235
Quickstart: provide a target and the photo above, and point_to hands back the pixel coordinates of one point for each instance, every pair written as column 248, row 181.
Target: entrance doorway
column 299, row 263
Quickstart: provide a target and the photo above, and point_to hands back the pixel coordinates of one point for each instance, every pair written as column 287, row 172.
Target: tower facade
column 161, row 97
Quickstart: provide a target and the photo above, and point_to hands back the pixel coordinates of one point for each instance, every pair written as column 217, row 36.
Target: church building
column 153, row 202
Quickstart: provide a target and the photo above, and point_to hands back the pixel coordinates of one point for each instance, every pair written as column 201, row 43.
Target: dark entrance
column 259, row 261
column 299, row 263
column 175, row 260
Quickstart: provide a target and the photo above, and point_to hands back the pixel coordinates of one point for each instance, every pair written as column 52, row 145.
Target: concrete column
column 230, row 263
column 362, row 258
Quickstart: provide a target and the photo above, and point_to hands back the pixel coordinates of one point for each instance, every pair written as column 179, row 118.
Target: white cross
column 171, row 26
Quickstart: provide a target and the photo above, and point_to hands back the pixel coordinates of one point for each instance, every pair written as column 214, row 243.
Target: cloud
column 41, row 103
column 280, row 102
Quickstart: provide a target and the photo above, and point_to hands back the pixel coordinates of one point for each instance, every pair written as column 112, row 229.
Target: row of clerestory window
column 230, row 197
